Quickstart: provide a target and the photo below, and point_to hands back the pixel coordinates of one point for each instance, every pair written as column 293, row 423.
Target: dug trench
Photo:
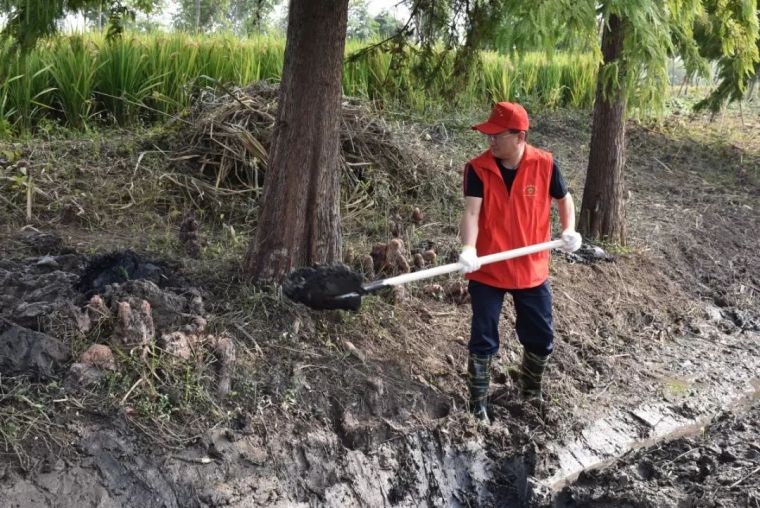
column 221, row 393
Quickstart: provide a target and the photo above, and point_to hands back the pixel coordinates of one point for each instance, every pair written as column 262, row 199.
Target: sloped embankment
column 337, row 409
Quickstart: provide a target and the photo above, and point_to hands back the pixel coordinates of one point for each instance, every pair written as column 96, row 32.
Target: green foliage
column 72, row 69
column 172, row 62
column 697, row 31
column 243, row 17
column 385, row 25
column 25, row 89
column 360, row 23
column 728, row 33
column 549, row 25
column 84, row 79
column 32, row 20
column 363, row 27
column 250, row 17
column 200, row 15
column 499, row 77
column 579, row 81
column 122, row 83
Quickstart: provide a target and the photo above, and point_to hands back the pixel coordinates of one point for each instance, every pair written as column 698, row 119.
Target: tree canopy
column 727, row 33
column 697, row 31
column 30, row 20
column 243, row 17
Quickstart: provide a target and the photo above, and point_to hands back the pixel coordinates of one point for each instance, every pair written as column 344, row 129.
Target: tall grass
column 25, row 88
column 498, row 78
column 579, row 82
column 122, row 82
column 72, row 69
column 562, row 80
column 173, row 63
column 77, row 80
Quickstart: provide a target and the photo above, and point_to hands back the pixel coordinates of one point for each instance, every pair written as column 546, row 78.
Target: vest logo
column 530, row 190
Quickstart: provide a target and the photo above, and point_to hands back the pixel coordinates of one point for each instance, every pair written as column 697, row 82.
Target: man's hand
column 571, row 239
column 469, row 259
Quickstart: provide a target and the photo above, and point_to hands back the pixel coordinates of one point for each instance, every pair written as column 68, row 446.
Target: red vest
column 516, row 219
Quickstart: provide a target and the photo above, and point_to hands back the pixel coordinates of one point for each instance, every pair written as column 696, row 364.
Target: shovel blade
column 325, row 287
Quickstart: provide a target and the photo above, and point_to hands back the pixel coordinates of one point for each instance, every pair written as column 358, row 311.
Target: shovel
column 337, row 287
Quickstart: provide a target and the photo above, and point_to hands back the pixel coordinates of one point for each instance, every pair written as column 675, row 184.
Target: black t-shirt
column 473, row 186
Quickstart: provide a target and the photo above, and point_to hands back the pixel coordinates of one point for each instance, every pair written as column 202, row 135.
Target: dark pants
column 533, row 308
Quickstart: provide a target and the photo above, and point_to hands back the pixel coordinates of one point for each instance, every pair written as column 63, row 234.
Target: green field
column 81, row 81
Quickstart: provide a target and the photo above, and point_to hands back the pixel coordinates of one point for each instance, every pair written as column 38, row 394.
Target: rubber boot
column 531, row 376
column 479, row 378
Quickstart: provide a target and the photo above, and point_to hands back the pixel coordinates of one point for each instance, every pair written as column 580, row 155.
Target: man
column 508, row 190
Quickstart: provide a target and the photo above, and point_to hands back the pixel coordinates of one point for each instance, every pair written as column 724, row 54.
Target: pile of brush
column 227, row 135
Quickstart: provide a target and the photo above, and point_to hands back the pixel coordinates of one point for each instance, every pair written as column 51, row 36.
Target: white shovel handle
column 454, row 267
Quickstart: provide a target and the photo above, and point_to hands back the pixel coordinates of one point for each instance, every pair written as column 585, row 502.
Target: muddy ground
column 718, row 467
column 221, row 393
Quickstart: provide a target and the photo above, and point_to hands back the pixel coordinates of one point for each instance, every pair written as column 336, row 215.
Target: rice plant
column 579, row 81
column 7, row 82
column 77, row 79
column 28, row 90
column 122, row 83
column 172, row 61
column 549, row 86
column 498, row 77
column 72, row 70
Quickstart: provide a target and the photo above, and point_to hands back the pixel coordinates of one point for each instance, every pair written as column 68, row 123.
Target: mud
column 120, row 267
column 325, row 287
column 718, row 467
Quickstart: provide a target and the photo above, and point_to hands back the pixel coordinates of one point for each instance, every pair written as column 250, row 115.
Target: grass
column 29, row 418
column 83, row 80
column 676, row 387
column 169, row 399
column 731, row 137
column 72, row 69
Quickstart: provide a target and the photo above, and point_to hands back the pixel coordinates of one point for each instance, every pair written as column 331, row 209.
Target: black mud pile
column 325, row 287
column 122, row 266
column 44, row 299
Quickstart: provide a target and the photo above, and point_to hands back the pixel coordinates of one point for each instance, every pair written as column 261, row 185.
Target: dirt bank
column 367, row 409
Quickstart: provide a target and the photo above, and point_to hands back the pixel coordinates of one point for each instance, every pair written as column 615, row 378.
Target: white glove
column 469, row 259
column 571, row 240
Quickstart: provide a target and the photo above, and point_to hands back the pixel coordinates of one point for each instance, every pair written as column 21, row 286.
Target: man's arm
column 570, row 237
column 566, row 208
column 468, row 227
column 468, row 230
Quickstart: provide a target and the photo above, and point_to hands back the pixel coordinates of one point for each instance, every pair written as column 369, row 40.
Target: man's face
column 505, row 144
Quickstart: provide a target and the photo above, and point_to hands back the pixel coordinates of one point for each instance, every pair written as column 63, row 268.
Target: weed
column 676, row 387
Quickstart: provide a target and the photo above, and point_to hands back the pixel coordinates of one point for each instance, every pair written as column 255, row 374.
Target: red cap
column 505, row 116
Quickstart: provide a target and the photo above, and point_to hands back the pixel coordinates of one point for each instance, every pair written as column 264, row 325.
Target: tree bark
column 602, row 214
column 299, row 222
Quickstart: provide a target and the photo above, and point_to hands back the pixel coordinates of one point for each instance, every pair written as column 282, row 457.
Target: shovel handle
column 454, row 267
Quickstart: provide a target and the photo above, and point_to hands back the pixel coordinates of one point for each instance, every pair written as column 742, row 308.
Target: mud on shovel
column 337, row 287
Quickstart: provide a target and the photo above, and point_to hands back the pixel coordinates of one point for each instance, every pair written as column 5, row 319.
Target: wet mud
column 718, row 466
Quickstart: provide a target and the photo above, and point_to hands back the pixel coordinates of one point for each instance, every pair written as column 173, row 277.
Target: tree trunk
column 602, row 214
column 197, row 16
column 299, row 222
